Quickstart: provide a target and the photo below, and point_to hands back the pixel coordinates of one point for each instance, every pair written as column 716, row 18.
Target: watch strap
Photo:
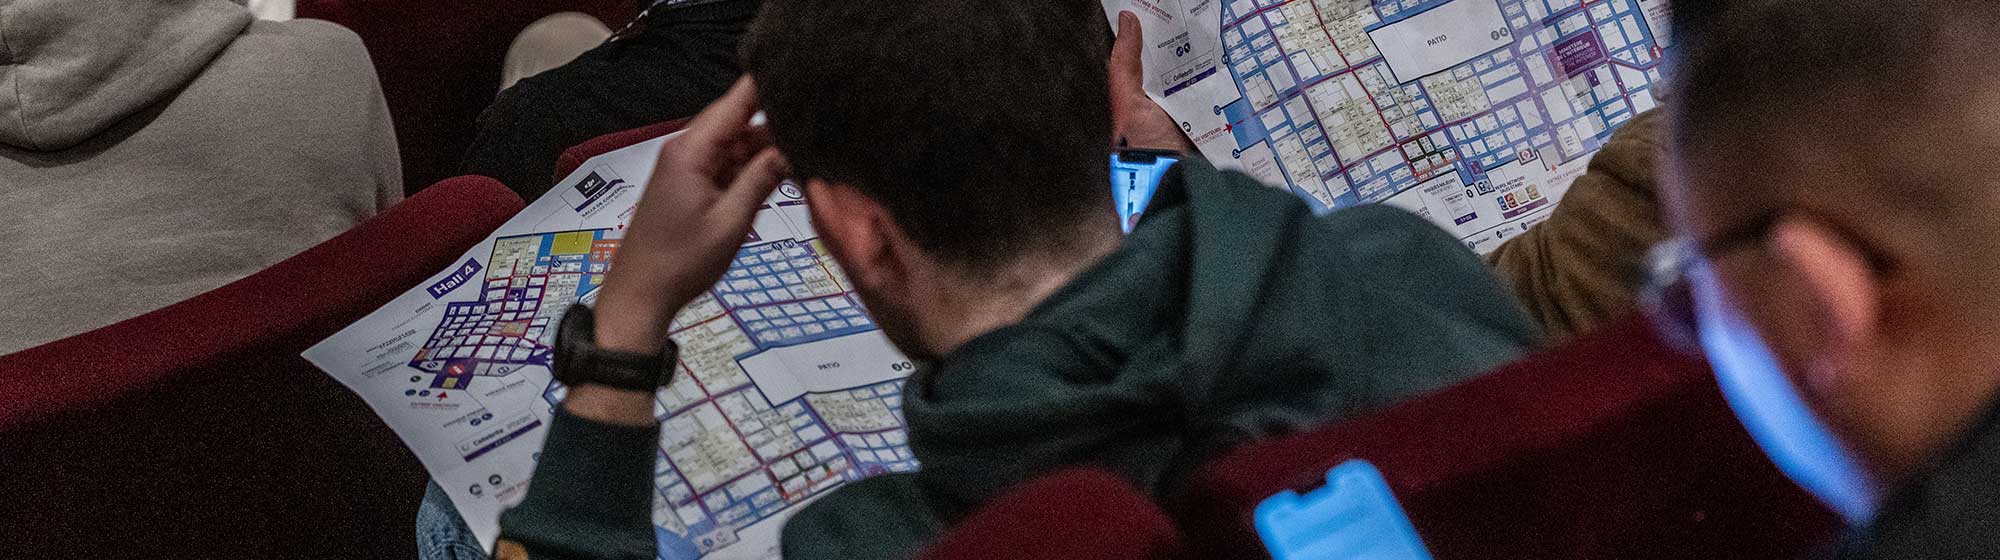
column 579, row 360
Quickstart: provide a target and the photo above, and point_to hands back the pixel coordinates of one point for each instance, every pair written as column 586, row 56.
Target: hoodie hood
column 69, row 69
column 1232, row 313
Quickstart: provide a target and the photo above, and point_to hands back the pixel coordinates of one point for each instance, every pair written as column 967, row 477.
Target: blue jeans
column 441, row 531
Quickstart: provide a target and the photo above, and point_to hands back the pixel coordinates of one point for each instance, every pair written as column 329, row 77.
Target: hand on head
column 696, row 211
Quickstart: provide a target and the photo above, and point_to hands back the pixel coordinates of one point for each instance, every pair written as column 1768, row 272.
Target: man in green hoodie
column 959, row 174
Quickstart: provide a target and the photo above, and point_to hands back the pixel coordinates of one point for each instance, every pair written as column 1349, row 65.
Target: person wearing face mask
column 1839, row 244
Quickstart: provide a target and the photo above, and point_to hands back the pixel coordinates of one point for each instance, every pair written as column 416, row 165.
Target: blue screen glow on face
column 1772, row 409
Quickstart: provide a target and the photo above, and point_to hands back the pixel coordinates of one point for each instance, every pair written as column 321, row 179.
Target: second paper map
column 1475, row 113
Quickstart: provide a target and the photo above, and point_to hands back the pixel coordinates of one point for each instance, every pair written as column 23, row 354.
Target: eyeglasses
column 1667, row 297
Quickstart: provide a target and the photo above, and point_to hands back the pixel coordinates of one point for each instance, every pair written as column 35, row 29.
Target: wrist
column 579, row 361
column 610, row 405
column 633, row 322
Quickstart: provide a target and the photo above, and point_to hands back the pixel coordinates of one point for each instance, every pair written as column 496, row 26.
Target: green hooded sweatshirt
column 1232, row 313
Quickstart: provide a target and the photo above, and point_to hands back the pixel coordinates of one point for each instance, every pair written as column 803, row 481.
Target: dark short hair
column 1756, row 62
column 1885, row 87
column 983, row 127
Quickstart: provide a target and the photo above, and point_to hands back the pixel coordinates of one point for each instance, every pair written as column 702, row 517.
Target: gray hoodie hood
column 69, row 69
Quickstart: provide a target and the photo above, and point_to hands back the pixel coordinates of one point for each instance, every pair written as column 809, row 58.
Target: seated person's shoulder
column 1378, row 227
column 1395, row 250
column 1364, row 233
column 302, row 32
column 1379, row 215
column 300, row 47
column 294, row 81
column 880, row 517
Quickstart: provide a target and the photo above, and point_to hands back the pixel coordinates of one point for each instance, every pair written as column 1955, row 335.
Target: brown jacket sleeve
column 1584, row 265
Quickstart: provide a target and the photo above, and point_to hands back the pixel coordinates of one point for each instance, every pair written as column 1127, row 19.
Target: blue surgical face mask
column 1770, row 406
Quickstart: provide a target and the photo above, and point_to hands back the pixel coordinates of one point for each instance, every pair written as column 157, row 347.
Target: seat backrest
column 197, row 431
column 575, row 156
column 1611, row 446
column 1075, row 515
column 440, row 64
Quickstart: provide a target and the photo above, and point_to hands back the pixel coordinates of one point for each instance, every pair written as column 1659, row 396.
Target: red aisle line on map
column 1547, row 21
column 1345, row 167
column 685, row 328
column 709, row 399
column 1371, row 101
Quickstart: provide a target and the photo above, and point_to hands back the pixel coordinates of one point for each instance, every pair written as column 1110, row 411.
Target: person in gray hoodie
column 152, row 150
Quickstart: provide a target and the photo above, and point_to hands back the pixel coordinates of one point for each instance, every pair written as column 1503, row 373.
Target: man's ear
column 853, row 227
column 1839, row 284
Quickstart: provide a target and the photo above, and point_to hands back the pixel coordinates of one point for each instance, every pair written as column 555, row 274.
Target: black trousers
column 674, row 62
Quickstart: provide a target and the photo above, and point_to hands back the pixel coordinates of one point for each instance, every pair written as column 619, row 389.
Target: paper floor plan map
column 1475, row 113
column 530, row 279
column 786, row 389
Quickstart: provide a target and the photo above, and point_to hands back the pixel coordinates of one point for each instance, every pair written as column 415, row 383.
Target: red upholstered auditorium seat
column 1073, row 515
column 1611, row 446
column 197, row 431
column 576, row 155
column 440, row 63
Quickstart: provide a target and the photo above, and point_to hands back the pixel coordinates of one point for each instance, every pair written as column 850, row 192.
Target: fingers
column 724, row 119
column 724, row 162
column 1127, row 54
column 753, row 184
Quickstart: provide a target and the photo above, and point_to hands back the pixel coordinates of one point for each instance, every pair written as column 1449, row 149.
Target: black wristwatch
column 578, row 360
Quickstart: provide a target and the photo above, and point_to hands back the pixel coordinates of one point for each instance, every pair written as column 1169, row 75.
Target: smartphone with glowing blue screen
column 1135, row 177
column 1354, row 517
